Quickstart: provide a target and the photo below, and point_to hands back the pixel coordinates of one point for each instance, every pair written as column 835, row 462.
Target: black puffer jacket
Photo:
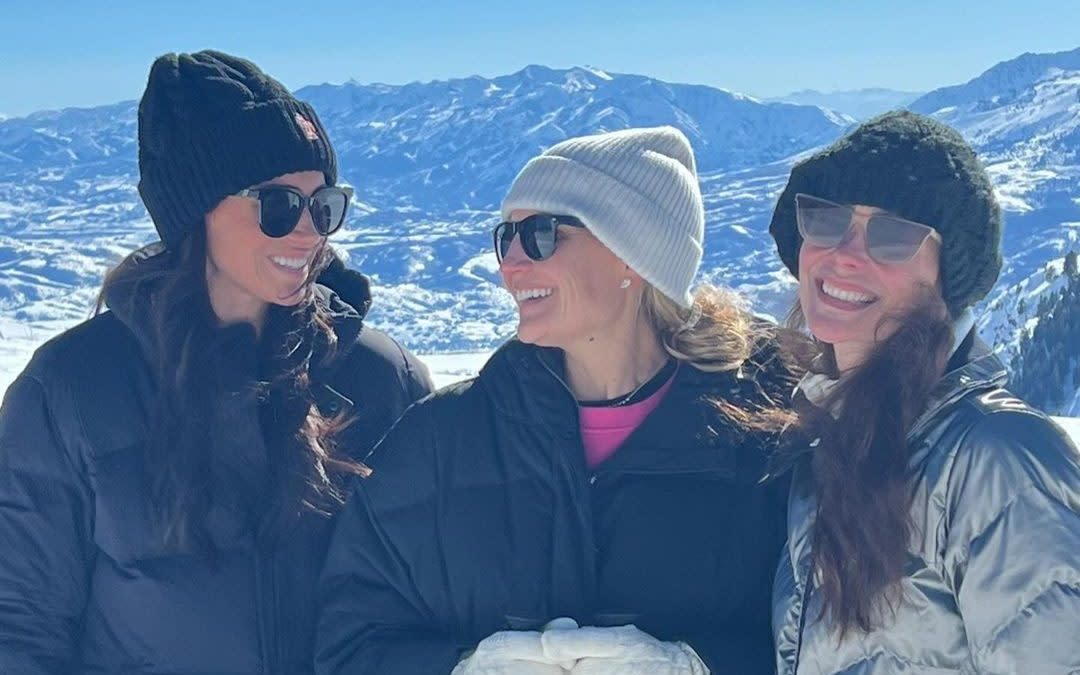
column 482, row 516
column 84, row 587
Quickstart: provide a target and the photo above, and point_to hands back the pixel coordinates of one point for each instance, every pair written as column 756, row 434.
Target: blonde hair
column 715, row 334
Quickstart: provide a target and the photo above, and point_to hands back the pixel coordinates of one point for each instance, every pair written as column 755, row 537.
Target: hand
column 623, row 650
column 509, row 653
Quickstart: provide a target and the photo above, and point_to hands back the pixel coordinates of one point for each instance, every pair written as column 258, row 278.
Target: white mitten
column 564, row 623
column 509, row 653
column 622, row 650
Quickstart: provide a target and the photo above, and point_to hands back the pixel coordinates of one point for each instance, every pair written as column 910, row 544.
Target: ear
column 628, row 273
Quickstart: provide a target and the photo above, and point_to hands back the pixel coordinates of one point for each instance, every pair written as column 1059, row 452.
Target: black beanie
column 916, row 168
column 210, row 125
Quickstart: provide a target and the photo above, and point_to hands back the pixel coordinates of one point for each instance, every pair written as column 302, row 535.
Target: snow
column 1002, row 322
column 1072, row 408
column 450, row 368
column 18, row 340
column 446, row 152
column 1071, row 425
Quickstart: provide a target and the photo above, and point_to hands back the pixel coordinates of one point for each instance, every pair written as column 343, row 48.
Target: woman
column 169, row 468
column 603, row 468
column 934, row 523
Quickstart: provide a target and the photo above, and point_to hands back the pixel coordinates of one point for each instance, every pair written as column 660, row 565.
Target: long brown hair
column 863, row 529
column 192, row 364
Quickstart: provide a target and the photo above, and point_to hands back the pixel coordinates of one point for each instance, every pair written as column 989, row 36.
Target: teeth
column 291, row 263
column 847, row 296
column 532, row 293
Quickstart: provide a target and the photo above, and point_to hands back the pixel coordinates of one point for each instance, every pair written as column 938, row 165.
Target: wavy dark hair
column 863, row 528
column 194, row 366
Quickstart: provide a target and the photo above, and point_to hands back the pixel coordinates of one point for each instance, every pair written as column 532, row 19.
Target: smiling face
column 575, row 295
column 246, row 270
column 845, row 294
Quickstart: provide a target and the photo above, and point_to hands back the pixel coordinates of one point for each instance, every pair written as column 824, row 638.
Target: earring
column 625, row 283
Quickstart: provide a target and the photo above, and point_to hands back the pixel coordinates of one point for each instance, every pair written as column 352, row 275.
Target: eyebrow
column 271, row 183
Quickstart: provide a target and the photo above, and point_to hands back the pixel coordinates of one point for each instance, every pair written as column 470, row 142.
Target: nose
column 851, row 252
column 305, row 228
column 515, row 255
column 514, row 262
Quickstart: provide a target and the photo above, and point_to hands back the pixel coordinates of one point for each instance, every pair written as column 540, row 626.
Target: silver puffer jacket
column 993, row 577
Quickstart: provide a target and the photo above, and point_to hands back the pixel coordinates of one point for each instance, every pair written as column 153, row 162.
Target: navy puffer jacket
column 482, row 516
column 84, row 584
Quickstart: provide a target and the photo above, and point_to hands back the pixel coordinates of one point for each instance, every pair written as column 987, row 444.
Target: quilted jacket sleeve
column 374, row 617
column 1013, row 549
column 45, row 525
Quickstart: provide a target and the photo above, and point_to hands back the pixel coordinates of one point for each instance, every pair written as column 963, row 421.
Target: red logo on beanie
column 307, row 127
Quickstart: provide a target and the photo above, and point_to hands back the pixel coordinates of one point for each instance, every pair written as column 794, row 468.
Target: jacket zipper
column 582, row 498
column 260, row 612
column 275, row 622
column 267, row 612
column 802, row 623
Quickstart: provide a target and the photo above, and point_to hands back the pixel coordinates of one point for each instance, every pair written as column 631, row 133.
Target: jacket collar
column 685, row 434
column 973, row 368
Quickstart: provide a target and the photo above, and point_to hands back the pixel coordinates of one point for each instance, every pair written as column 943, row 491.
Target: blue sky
column 55, row 54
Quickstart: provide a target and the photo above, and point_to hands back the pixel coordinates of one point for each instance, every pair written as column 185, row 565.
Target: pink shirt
column 603, row 430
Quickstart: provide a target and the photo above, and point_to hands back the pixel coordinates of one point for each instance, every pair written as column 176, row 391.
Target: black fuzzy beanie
column 212, row 124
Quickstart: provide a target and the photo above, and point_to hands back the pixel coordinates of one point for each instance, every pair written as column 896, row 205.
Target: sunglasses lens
column 542, row 236
column 822, row 223
column 504, row 236
column 279, row 211
column 537, row 233
column 328, row 208
column 894, row 240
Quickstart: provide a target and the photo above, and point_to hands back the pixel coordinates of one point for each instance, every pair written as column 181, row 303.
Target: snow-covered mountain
column 430, row 162
column 860, row 104
column 444, row 145
column 1029, row 139
column 1024, row 118
column 1003, row 79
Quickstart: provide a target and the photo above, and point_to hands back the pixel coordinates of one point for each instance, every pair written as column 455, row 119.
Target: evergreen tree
column 1049, row 355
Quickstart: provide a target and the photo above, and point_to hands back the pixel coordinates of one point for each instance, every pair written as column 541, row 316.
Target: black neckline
column 648, row 389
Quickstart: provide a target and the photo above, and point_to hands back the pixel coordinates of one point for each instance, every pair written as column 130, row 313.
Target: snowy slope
column 430, row 161
column 1004, row 78
column 1012, row 309
column 1071, row 425
column 453, row 144
column 860, row 104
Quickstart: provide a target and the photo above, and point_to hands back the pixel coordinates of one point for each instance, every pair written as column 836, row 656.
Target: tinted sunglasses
column 889, row 239
column 281, row 206
column 539, row 233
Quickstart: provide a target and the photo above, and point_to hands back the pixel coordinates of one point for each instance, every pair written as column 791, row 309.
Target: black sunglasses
column 280, row 208
column 889, row 239
column 539, row 233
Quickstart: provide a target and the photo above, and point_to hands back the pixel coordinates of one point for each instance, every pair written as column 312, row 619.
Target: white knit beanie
column 636, row 190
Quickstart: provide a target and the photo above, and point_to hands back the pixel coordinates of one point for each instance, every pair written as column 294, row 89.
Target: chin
column 531, row 335
column 829, row 332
